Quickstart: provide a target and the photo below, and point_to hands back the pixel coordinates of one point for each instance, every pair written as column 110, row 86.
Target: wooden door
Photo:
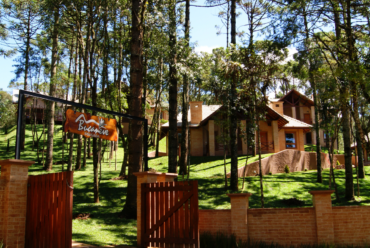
column 264, row 141
column 307, row 118
column 169, row 214
column 49, row 211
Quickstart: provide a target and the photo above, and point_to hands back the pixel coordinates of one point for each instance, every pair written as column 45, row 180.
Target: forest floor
column 104, row 227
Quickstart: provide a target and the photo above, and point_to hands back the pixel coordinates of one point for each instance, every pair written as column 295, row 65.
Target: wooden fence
column 170, row 214
column 49, row 211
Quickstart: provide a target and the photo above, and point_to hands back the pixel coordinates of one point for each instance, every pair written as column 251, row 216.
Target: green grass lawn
column 105, row 227
column 312, row 148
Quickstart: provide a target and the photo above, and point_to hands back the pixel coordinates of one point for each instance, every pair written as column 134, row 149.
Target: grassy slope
column 312, row 148
column 106, row 228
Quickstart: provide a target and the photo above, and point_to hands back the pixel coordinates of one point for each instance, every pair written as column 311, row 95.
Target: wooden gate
column 49, row 211
column 170, row 214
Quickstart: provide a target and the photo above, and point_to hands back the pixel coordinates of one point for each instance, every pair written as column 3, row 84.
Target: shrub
column 338, row 163
column 305, row 169
column 286, row 169
column 270, row 173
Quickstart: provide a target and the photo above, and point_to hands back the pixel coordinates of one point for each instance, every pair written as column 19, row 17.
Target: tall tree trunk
column 185, row 101
column 135, row 106
column 51, row 105
column 172, row 133
column 233, row 120
column 313, row 86
column 259, row 161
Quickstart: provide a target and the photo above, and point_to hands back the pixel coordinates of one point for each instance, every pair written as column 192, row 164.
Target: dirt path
column 77, row 244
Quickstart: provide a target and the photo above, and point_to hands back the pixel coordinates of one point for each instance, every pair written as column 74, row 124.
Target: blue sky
column 203, row 33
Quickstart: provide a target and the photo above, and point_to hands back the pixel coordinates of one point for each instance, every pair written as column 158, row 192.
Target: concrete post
column 275, row 135
column 313, row 114
column 324, row 216
column 148, row 177
column 13, row 201
column 294, row 113
column 239, row 214
column 211, row 137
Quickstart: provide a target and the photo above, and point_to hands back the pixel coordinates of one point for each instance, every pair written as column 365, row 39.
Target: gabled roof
column 208, row 111
column 296, row 94
column 294, row 123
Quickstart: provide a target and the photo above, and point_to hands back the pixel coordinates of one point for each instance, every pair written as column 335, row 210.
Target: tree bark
column 233, row 119
column 135, row 107
column 51, row 105
column 172, row 133
column 185, row 101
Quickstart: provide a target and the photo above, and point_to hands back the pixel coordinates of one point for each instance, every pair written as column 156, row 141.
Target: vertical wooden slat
column 186, row 206
column 63, row 209
column 152, row 211
column 143, row 213
column 172, row 219
column 161, row 212
column 177, row 214
column 35, row 211
column 43, row 199
column 51, row 209
column 60, row 213
column 70, row 209
column 166, row 206
column 196, row 215
column 55, row 211
column 191, row 231
column 147, row 212
column 157, row 216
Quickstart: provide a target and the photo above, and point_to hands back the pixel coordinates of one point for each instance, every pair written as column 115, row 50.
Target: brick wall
column 293, row 226
column 351, row 224
column 290, row 226
column 13, row 201
column 215, row 220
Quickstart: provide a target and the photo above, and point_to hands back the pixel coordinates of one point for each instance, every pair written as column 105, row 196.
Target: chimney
column 196, row 112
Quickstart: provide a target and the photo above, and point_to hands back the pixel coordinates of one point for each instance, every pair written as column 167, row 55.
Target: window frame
column 295, row 140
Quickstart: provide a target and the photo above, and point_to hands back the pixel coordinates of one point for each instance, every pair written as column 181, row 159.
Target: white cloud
column 207, row 49
column 291, row 52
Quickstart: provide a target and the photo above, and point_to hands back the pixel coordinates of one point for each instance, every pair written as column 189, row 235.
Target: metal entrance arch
column 22, row 93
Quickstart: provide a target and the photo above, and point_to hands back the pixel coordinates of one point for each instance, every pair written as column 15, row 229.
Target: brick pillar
column 239, row 218
column 13, row 201
column 324, row 216
column 148, row 177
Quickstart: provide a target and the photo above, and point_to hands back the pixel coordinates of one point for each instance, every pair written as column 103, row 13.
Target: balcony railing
column 267, row 146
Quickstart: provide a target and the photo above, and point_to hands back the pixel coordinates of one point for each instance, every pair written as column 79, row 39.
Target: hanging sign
column 90, row 126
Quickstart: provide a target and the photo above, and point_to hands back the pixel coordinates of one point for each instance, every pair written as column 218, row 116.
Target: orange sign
column 90, row 126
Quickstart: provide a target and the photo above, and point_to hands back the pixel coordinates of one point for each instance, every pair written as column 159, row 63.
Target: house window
column 277, row 105
column 290, row 140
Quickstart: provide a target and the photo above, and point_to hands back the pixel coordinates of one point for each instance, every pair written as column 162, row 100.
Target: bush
column 286, row 169
column 305, row 169
column 338, row 163
column 270, row 173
